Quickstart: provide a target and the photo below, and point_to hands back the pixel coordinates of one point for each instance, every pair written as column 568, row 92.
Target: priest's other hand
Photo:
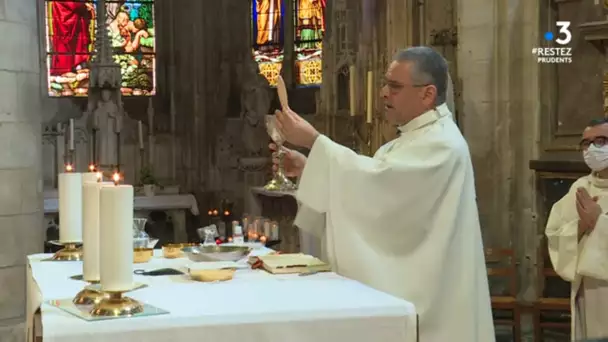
column 296, row 130
column 588, row 209
column 293, row 161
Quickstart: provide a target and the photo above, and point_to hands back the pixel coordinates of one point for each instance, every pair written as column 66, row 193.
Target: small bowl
column 174, row 250
column 216, row 253
column 141, row 255
column 212, row 275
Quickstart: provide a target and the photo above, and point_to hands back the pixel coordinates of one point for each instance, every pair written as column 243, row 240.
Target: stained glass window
column 268, row 37
column 309, row 30
column 70, row 31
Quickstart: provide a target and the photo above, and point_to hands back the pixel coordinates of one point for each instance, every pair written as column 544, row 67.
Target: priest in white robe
column 405, row 221
column 577, row 236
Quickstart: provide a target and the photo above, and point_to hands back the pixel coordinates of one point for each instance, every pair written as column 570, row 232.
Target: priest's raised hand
column 296, row 130
column 293, row 161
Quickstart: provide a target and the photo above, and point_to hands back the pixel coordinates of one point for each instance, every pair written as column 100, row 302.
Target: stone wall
column 500, row 113
column 21, row 228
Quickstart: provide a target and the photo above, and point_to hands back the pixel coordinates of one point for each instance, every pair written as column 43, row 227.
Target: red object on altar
column 71, row 35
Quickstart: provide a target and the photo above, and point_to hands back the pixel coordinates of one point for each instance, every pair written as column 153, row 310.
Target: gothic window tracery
column 268, row 22
column 70, row 39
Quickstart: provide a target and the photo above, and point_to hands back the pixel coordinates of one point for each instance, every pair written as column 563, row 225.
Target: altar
column 253, row 306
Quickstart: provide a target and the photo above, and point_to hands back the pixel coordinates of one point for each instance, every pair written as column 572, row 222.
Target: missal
column 291, row 263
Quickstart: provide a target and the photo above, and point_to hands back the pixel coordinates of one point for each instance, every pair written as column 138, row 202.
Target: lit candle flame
column 263, row 239
column 215, row 212
column 116, row 178
column 226, row 213
column 92, row 168
column 99, row 176
column 69, row 168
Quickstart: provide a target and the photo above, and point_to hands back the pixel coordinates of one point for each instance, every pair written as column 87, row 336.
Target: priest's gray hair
column 429, row 68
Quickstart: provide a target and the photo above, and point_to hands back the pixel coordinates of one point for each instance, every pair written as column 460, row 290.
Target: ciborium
column 279, row 181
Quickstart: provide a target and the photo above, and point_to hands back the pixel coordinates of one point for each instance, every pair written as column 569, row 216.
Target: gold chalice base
column 279, row 183
column 89, row 297
column 69, row 253
column 115, row 305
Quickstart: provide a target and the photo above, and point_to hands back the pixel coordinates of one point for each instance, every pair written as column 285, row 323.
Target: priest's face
column 404, row 98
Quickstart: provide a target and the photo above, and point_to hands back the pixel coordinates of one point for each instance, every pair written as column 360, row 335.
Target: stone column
column 21, row 228
column 501, row 97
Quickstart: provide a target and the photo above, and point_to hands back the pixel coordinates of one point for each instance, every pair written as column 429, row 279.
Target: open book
column 292, row 263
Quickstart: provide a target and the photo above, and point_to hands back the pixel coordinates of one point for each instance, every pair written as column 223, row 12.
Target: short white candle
column 351, row 93
column 70, row 207
column 71, row 134
column 90, row 229
column 141, row 135
column 274, row 231
column 116, row 237
column 370, row 92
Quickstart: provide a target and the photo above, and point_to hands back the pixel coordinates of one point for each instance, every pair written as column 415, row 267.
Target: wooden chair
column 497, row 267
column 555, row 306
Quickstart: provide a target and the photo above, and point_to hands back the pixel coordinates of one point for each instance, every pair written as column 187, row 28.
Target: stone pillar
column 21, row 228
column 501, row 97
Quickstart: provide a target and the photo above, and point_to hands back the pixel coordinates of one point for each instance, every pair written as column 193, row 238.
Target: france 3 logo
column 556, row 55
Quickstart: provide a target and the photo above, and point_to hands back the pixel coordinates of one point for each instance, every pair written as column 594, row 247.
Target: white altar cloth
column 254, row 306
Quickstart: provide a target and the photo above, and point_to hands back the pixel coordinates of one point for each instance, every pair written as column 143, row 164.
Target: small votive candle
column 274, row 231
column 263, row 239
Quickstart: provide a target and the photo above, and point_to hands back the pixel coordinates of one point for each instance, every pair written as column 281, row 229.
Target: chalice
column 279, row 181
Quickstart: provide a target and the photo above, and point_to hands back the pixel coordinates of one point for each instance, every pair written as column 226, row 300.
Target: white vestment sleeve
column 562, row 239
column 406, row 186
column 593, row 261
column 311, row 225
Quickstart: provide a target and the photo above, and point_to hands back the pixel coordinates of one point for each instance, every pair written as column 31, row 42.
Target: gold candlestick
column 115, row 305
column 70, row 251
column 89, row 296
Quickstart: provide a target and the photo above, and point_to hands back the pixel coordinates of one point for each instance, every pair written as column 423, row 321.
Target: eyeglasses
column 395, row 87
column 598, row 141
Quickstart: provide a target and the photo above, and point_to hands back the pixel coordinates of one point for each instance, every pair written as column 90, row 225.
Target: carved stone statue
column 255, row 104
column 107, row 118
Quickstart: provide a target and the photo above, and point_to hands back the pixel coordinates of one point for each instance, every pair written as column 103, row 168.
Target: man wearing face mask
column 577, row 234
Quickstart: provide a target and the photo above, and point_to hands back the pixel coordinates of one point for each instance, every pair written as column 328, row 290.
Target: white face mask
column 596, row 157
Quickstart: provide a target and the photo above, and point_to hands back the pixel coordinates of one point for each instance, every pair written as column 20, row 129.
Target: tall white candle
column 89, row 177
column 351, row 80
column 90, row 229
column 141, row 135
column 370, row 92
column 151, row 147
column 71, row 134
column 116, row 237
column 70, row 207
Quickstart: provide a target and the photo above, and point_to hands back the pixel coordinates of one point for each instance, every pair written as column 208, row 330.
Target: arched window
column 268, row 37
column 70, row 31
column 307, row 22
